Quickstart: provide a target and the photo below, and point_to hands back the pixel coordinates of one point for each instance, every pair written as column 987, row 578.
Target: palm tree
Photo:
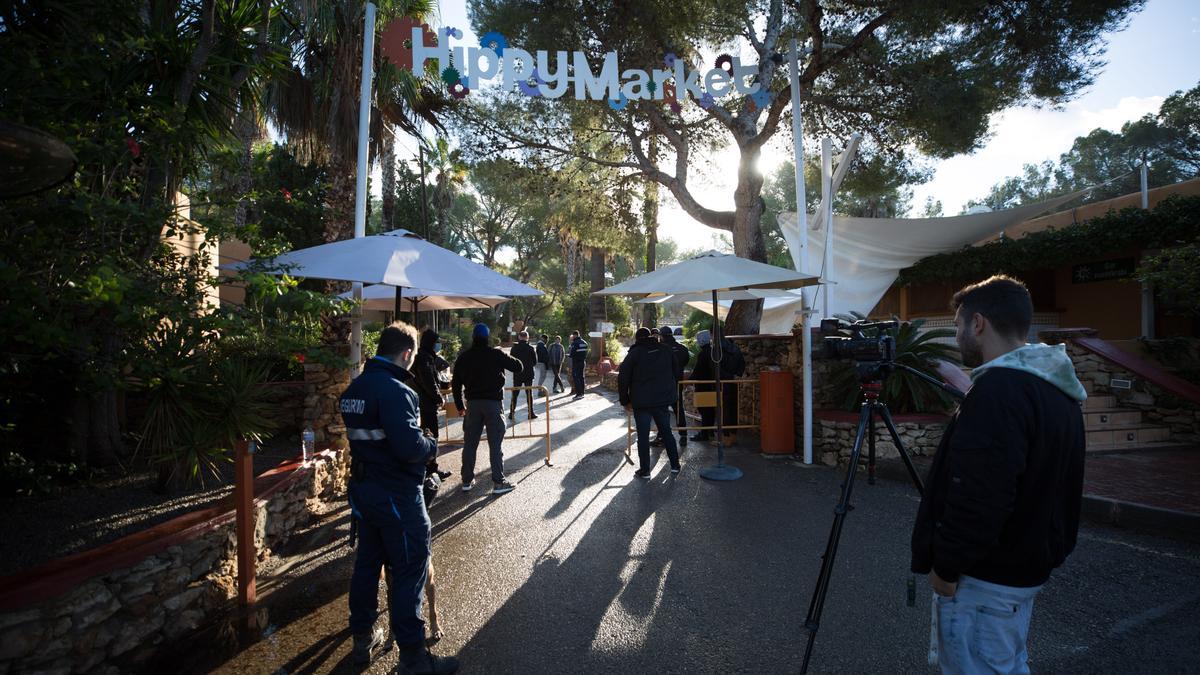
column 451, row 173
column 315, row 103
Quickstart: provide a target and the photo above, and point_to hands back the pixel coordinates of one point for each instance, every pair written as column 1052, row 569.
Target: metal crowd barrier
column 700, row 399
column 452, row 411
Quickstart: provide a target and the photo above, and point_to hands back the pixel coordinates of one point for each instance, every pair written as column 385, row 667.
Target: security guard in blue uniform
column 388, row 454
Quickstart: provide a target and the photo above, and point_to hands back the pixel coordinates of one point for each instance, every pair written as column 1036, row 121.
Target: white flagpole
column 360, row 192
column 802, row 221
column 827, row 219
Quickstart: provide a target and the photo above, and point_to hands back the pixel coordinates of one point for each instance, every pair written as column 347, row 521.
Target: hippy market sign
column 408, row 44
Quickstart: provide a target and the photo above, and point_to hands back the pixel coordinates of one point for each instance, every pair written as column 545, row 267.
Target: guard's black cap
column 642, row 333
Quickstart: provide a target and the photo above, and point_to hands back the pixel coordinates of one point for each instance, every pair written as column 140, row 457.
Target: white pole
column 1147, row 289
column 802, row 222
column 827, row 218
column 1145, row 183
column 846, row 159
column 360, row 190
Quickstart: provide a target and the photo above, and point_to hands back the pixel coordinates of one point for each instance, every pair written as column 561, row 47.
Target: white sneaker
column 466, row 487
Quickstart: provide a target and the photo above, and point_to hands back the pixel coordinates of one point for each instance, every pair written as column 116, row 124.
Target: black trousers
column 729, row 406
column 429, row 417
column 522, row 381
column 577, row 384
column 556, row 370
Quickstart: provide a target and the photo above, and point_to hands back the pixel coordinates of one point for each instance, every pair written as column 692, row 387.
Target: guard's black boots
column 365, row 646
column 418, row 660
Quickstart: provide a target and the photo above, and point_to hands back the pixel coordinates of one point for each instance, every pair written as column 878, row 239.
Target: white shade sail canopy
column 382, row 297
column 869, row 253
column 708, row 272
column 397, row 258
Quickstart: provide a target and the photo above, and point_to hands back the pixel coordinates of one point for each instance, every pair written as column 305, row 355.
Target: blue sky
column 1156, row 55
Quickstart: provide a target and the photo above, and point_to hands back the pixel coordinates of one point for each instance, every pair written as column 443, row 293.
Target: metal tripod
column 872, row 408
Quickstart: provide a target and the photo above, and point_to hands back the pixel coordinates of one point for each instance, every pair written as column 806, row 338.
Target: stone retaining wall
column 1159, row 407
column 323, row 386
column 111, row 609
column 833, row 438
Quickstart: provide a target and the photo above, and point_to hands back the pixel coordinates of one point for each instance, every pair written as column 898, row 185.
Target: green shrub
column 20, row 477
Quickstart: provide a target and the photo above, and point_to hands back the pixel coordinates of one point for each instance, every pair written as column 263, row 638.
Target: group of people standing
column 1000, row 509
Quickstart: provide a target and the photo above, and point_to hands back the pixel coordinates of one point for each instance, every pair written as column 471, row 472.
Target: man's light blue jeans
column 983, row 628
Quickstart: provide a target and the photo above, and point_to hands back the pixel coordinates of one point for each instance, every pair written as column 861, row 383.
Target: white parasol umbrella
column 715, row 274
column 382, row 297
column 398, row 258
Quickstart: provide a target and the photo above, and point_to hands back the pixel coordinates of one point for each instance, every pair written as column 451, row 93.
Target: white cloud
column 1024, row 136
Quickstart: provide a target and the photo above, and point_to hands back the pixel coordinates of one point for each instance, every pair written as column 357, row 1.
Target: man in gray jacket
column 557, row 356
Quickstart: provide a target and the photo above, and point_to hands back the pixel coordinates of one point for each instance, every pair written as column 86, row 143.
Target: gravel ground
column 106, row 510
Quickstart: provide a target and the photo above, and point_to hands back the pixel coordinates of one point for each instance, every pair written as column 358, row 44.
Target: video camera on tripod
column 872, row 347
column 869, row 345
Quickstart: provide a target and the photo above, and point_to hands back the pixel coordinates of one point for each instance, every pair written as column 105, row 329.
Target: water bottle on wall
column 308, row 442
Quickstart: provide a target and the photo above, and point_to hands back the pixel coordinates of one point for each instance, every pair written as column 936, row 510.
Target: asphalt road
column 586, row 569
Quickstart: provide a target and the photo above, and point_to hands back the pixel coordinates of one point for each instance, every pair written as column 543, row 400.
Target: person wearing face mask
column 427, row 369
column 389, row 452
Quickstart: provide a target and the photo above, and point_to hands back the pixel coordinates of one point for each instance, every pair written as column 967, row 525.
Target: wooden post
column 243, row 495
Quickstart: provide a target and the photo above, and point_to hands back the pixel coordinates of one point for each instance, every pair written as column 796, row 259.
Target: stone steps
column 1125, row 448
column 1126, row 437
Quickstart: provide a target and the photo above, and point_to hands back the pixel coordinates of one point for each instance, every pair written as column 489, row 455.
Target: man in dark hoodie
column 577, row 352
column 388, row 454
column 527, row 355
column 480, row 371
column 667, row 337
column 1001, row 503
column 646, row 386
column 427, row 374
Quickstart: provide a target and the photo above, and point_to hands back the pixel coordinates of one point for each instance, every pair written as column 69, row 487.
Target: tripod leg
column 912, row 470
column 871, row 443
column 813, row 621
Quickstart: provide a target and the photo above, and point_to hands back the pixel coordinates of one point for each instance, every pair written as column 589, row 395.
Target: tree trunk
column 597, row 312
column 650, row 214
column 339, row 225
column 104, row 428
column 570, row 255
column 745, row 315
column 387, row 167
column 247, row 130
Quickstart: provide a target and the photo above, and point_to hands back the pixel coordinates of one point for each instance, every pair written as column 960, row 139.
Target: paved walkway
column 1164, row 479
column 586, row 569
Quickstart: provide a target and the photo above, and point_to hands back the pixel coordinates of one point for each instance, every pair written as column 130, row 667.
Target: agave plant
column 196, row 414
column 903, row 391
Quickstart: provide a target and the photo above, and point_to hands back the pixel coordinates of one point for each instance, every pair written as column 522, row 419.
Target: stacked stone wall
column 152, row 589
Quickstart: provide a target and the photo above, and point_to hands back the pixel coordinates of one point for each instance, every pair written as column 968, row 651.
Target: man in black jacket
column 427, row 375
column 667, row 337
column 577, row 352
column 527, row 355
column 1002, row 498
column 480, row 370
column 646, row 387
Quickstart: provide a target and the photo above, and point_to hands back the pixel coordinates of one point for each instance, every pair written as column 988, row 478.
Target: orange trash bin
column 775, row 404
